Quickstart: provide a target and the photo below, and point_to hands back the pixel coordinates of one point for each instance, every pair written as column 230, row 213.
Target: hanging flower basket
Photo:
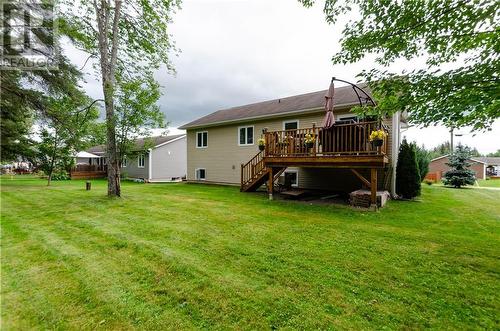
column 309, row 140
column 262, row 144
column 377, row 137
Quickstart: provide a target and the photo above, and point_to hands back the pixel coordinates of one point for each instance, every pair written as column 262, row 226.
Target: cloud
column 239, row 52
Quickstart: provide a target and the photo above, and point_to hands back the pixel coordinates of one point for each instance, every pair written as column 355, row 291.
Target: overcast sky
column 235, row 52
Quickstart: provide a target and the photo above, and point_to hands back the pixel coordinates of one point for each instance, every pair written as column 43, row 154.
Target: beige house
column 222, row 147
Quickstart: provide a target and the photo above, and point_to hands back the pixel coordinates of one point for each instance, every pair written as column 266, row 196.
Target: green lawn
column 184, row 256
column 489, row 183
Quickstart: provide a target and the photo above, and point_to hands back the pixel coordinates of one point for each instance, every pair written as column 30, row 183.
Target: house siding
column 222, row 158
column 169, row 161
column 132, row 169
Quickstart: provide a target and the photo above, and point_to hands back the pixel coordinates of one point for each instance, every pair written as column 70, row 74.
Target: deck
column 341, row 146
column 86, row 171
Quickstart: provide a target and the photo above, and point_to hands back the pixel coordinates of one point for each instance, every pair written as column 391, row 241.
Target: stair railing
column 252, row 169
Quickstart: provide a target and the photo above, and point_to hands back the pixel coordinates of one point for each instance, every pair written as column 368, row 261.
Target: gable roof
column 344, row 97
column 489, row 160
column 139, row 143
column 475, row 159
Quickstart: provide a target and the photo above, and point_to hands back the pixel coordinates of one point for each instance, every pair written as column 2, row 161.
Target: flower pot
column 262, row 147
column 309, row 145
column 377, row 142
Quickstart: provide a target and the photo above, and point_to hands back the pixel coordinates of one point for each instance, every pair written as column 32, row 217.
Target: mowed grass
column 489, row 183
column 185, row 256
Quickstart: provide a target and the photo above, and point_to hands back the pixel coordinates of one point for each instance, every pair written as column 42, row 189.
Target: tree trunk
column 114, row 188
column 52, row 161
column 108, row 59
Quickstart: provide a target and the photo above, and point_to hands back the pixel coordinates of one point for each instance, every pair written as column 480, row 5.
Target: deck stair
column 255, row 173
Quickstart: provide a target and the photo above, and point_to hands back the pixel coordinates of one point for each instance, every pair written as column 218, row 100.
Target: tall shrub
column 423, row 160
column 460, row 174
column 407, row 172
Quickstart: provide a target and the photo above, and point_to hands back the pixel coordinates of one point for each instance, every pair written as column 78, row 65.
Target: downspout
column 396, row 141
column 150, row 164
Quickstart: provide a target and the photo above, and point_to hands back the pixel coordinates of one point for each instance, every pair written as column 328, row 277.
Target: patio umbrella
column 329, row 120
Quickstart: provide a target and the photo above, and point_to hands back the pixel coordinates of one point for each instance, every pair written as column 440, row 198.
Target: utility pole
column 451, row 141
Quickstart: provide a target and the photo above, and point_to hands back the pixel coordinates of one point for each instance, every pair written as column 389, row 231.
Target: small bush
column 61, row 175
column 429, row 182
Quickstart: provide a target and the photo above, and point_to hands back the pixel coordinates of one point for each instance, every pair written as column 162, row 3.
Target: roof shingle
column 344, row 96
column 139, row 143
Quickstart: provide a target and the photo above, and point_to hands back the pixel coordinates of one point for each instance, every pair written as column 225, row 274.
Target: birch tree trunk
column 108, row 68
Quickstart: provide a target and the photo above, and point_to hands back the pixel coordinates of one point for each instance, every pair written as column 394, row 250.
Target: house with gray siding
column 153, row 159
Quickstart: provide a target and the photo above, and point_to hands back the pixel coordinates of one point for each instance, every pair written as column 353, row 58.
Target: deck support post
column 373, row 187
column 270, row 183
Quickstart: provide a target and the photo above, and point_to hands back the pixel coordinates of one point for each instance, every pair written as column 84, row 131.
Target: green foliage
column 143, row 39
column 423, row 160
column 461, row 36
column 54, row 154
column 460, row 174
column 60, row 175
column 440, row 150
column 64, row 132
column 497, row 154
column 130, row 40
column 26, row 99
column 407, row 172
column 137, row 112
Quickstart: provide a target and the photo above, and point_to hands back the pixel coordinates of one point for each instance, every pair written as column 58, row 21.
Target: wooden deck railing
column 89, row 168
column 341, row 139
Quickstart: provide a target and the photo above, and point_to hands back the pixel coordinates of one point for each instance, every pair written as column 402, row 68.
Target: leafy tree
column 53, row 154
column 25, row 94
column 497, row 153
column 130, row 39
column 137, row 112
column 440, row 150
column 64, row 133
column 407, row 172
column 459, row 85
column 474, row 152
column 423, row 160
column 460, row 174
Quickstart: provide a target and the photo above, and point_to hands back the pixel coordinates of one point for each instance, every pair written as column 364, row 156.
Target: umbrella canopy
column 329, row 119
column 84, row 154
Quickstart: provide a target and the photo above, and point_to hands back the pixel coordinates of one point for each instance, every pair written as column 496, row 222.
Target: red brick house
column 438, row 166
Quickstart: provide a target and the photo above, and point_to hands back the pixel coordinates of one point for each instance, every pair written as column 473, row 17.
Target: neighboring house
column 438, row 167
column 492, row 165
column 164, row 161
column 222, row 147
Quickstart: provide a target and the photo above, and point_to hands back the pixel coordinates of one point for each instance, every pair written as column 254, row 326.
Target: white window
column 124, row 161
column 201, row 139
column 245, row 135
column 200, row 174
column 140, row 161
column 291, row 125
column 292, row 176
column 347, row 118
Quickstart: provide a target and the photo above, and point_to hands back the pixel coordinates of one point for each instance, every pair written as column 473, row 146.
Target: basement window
column 200, row 174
